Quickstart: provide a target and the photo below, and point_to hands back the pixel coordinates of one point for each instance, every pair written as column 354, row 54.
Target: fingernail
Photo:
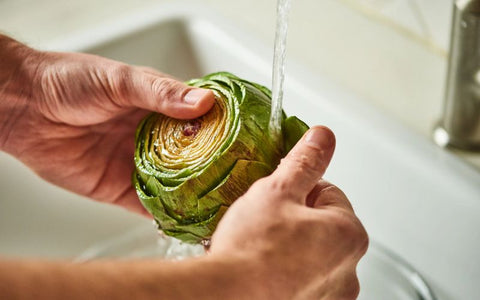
column 194, row 95
column 320, row 137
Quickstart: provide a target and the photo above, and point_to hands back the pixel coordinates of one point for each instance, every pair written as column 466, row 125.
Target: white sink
column 413, row 197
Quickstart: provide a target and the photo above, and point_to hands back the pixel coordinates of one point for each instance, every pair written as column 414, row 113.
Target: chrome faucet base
column 460, row 124
column 442, row 138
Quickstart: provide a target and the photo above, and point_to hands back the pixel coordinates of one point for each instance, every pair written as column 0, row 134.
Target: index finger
column 325, row 194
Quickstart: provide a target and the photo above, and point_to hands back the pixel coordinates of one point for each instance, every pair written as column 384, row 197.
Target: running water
column 278, row 73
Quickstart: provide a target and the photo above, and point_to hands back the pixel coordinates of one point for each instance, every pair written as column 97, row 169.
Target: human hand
column 74, row 122
column 296, row 233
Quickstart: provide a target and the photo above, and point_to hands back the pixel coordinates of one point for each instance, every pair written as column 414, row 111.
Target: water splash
column 278, row 72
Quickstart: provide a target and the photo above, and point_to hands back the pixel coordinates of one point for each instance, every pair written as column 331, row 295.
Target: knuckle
column 280, row 186
column 333, row 192
column 121, row 83
column 348, row 226
column 344, row 226
column 301, row 163
column 166, row 88
column 363, row 241
column 277, row 184
column 352, row 289
column 333, row 189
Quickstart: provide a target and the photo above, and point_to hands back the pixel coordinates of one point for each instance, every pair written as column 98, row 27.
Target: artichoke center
column 180, row 144
column 192, row 128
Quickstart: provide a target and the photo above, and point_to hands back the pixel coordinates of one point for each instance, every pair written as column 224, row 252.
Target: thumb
column 306, row 163
column 166, row 95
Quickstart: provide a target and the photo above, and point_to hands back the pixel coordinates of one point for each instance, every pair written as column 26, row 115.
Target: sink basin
column 414, row 198
column 382, row 274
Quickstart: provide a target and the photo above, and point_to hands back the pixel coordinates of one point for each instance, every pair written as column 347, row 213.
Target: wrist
column 20, row 65
column 240, row 276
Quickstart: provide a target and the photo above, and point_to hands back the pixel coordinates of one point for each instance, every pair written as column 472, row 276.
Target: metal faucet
column 460, row 124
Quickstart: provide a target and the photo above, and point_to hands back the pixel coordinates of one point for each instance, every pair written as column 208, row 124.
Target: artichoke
column 188, row 172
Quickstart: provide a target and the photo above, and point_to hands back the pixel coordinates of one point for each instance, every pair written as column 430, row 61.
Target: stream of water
column 278, row 72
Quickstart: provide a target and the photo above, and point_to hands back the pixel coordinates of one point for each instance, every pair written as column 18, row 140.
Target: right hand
column 298, row 232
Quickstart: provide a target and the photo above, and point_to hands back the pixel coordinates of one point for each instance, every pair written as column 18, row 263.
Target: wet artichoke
column 188, row 172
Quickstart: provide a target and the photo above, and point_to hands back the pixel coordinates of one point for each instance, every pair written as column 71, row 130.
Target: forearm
column 18, row 65
column 201, row 278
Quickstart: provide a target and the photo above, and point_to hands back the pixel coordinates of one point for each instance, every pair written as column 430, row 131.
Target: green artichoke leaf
column 293, row 129
column 188, row 172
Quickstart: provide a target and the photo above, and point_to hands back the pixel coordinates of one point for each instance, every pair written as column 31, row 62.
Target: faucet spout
column 460, row 123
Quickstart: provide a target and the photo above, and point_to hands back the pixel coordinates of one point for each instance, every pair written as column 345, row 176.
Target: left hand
column 75, row 124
